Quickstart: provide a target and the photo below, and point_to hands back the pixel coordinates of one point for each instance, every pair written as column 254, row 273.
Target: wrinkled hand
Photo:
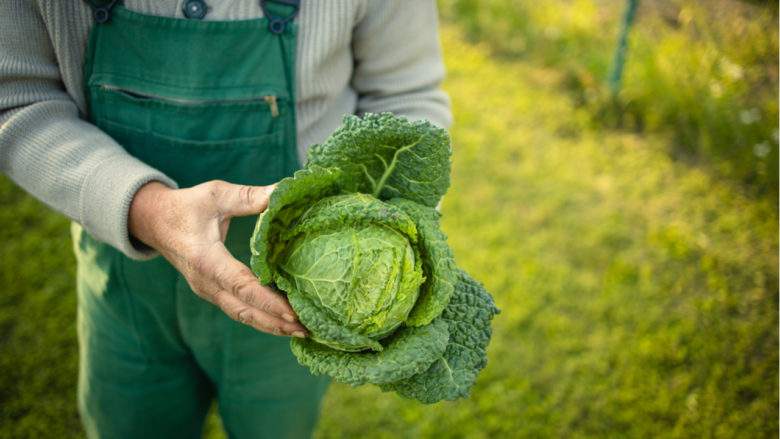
column 188, row 227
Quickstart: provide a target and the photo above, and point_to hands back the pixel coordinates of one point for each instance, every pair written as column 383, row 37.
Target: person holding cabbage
column 160, row 128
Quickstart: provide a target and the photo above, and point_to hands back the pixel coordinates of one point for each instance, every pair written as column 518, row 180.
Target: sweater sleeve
column 48, row 150
column 398, row 61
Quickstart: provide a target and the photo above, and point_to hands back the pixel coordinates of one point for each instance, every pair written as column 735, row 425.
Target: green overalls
column 198, row 100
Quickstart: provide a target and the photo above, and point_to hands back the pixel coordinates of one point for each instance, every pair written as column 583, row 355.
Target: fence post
column 616, row 75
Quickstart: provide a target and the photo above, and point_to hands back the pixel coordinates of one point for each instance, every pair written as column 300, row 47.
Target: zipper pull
column 271, row 101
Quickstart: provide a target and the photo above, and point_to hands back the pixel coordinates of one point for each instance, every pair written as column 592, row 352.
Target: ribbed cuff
column 105, row 201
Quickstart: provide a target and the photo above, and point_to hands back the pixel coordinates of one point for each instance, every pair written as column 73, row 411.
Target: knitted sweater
column 353, row 56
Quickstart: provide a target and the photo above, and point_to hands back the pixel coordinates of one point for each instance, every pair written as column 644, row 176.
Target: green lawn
column 639, row 294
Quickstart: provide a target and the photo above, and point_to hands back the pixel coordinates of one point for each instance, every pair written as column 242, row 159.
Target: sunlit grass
column 703, row 72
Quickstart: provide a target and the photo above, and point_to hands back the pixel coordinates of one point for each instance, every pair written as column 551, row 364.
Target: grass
column 639, row 293
column 704, row 73
column 38, row 352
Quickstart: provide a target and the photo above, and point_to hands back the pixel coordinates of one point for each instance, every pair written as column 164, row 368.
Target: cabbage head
column 353, row 240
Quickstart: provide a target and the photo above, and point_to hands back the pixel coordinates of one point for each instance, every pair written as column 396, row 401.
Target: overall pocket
column 239, row 139
column 242, row 116
column 253, row 160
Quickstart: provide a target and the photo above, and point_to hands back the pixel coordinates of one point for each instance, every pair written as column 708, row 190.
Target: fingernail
column 299, row 334
column 288, row 317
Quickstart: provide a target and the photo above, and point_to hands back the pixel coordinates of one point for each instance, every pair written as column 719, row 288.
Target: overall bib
column 198, row 100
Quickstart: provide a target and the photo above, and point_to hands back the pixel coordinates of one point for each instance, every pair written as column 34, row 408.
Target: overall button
column 195, row 9
column 276, row 25
column 101, row 15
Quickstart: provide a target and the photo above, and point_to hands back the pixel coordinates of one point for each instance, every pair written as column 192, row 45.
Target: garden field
column 638, row 292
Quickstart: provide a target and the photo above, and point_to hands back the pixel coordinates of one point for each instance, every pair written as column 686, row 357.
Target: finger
column 236, row 278
column 241, row 200
column 241, row 312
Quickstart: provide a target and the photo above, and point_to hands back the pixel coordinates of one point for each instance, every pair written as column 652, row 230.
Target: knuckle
column 215, row 187
column 244, row 315
column 219, row 298
column 263, row 325
column 217, row 184
column 266, row 305
column 219, row 274
column 289, row 329
column 242, row 289
column 246, row 194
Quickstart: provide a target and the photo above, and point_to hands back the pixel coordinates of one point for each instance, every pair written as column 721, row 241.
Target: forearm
column 48, row 150
column 74, row 168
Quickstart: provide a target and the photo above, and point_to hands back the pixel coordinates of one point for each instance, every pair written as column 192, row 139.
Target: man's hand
column 188, row 227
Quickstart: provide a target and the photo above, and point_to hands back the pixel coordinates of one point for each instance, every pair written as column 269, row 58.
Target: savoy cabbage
column 353, row 239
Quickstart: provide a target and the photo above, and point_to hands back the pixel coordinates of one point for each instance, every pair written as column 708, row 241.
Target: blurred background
column 615, row 187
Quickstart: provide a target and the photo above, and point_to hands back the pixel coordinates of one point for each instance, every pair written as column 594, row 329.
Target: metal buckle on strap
column 101, row 10
column 277, row 24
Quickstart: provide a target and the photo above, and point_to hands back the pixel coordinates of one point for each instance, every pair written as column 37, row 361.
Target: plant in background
column 353, row 239
column 704, row 72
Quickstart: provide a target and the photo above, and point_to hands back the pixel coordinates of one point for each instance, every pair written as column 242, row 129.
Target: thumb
column 242, row 200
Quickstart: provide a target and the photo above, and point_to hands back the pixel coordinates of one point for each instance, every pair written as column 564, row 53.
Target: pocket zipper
column 270, row 100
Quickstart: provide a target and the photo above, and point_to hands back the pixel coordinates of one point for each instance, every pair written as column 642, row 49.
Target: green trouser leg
column 199, row 100
column 154, row 370
column 123, row 391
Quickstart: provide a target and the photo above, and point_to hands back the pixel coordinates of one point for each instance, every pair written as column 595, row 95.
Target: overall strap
column 101, row 9
column 279, row 13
